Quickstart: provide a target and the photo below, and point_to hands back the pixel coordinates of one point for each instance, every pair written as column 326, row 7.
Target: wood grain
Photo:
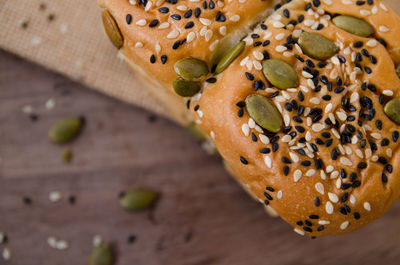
column 202, row 218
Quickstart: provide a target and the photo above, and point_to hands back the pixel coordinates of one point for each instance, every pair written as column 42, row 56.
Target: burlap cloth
column 67, row 36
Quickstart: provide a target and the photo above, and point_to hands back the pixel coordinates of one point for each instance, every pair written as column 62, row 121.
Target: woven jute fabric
column 67, row 37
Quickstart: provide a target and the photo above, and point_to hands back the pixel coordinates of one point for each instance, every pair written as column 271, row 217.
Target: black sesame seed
column 265, row 151
column 275, row 147
column 153, row 23
column 307, row 229
column 164, row 59
column 317, row 201
column 357, row 216
column 308, row 223
column 243, row 160
column 27, row 200
column 270, row 189
column 286, row 160
column 358, row 44
column 240, row 112
column 189, row 25
column 188, row 13
column 197, row 12
column 345, row 197
column 389, row 168
column 211, row 80
column 395, row 136
column 152, row 59
column 128, row 19
column 367, row 70
column 285, row 170
column 266, row 202
column 286, row 13
column 253, row 137
column 384, row 178
column 299, row 223
column 268, row 196
column 306, row 163
column 163, row 10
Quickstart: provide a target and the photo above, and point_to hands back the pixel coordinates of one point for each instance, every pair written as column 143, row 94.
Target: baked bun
column 155, row 34
column 307, row 121
column 304, row 108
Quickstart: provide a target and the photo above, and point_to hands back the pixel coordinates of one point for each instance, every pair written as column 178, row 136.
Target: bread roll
column 156, row 34
column 305, row 115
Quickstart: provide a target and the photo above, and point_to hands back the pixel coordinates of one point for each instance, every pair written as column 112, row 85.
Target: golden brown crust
column 201, row 40
column 315, row 201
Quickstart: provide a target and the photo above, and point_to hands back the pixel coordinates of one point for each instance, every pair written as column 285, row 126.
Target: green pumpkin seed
column 230, row 57
column 317, row 46
column 65, row 130
column 280, row 74
column 264, row 112
column 392, row 110
column 186, row 88
column 138, row 199
column 112, row 29
column 191, row 68
column 67, row 156
column 101, row 255
column 196, row 132
column 354, row 25
column 398, row 71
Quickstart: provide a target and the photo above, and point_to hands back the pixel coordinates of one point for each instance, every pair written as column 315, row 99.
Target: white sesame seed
column 320, row 187
column 365, row 12
column 278, row 24
column 338, row 183
column 294, row 157
column 310, row 172
column 280, row 48
column 329, row 207
column 334, row 174
column 205, row 21
column 286, row 138
column 383, row 29
column 246, row 129
column 352, row 199
column 279, row 195
column 323, row 175
column 264, row 139
column 234, row 18
column 344, row 225
column 55, row 196
column 388, row 92
column 298, row 231
column 62, row 244
column 381, row 5
column 376, row 135
column 333, row 197
column 317, row 127
column 141, row 22
column 345, row 161
column 307, row 74
column 267, row 161
column 190, row 37
column 6, row 253
column 222, row 30
column 280, row 36
column 297, row 175
column 97, row 240
column 52, row 241
column 328, row 108
column 372, row 43
column 173, row 34
column 367, row 206
column 323, row 222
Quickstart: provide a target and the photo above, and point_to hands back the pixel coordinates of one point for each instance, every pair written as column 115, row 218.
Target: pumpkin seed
column 65, row 130
column 230, row 57
column 101, row 255
column 112, row 29
column 67, row 156
column 398, row 70
column 138, row 199
column 392, row 110
column 264, row 112
column 280, row 74
column 186, row 88
column 317, row 46
column 191, row 68
column 196, row 132
column 354, row 25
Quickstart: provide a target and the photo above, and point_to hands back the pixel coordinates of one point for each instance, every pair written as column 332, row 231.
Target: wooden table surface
column 202, row 218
